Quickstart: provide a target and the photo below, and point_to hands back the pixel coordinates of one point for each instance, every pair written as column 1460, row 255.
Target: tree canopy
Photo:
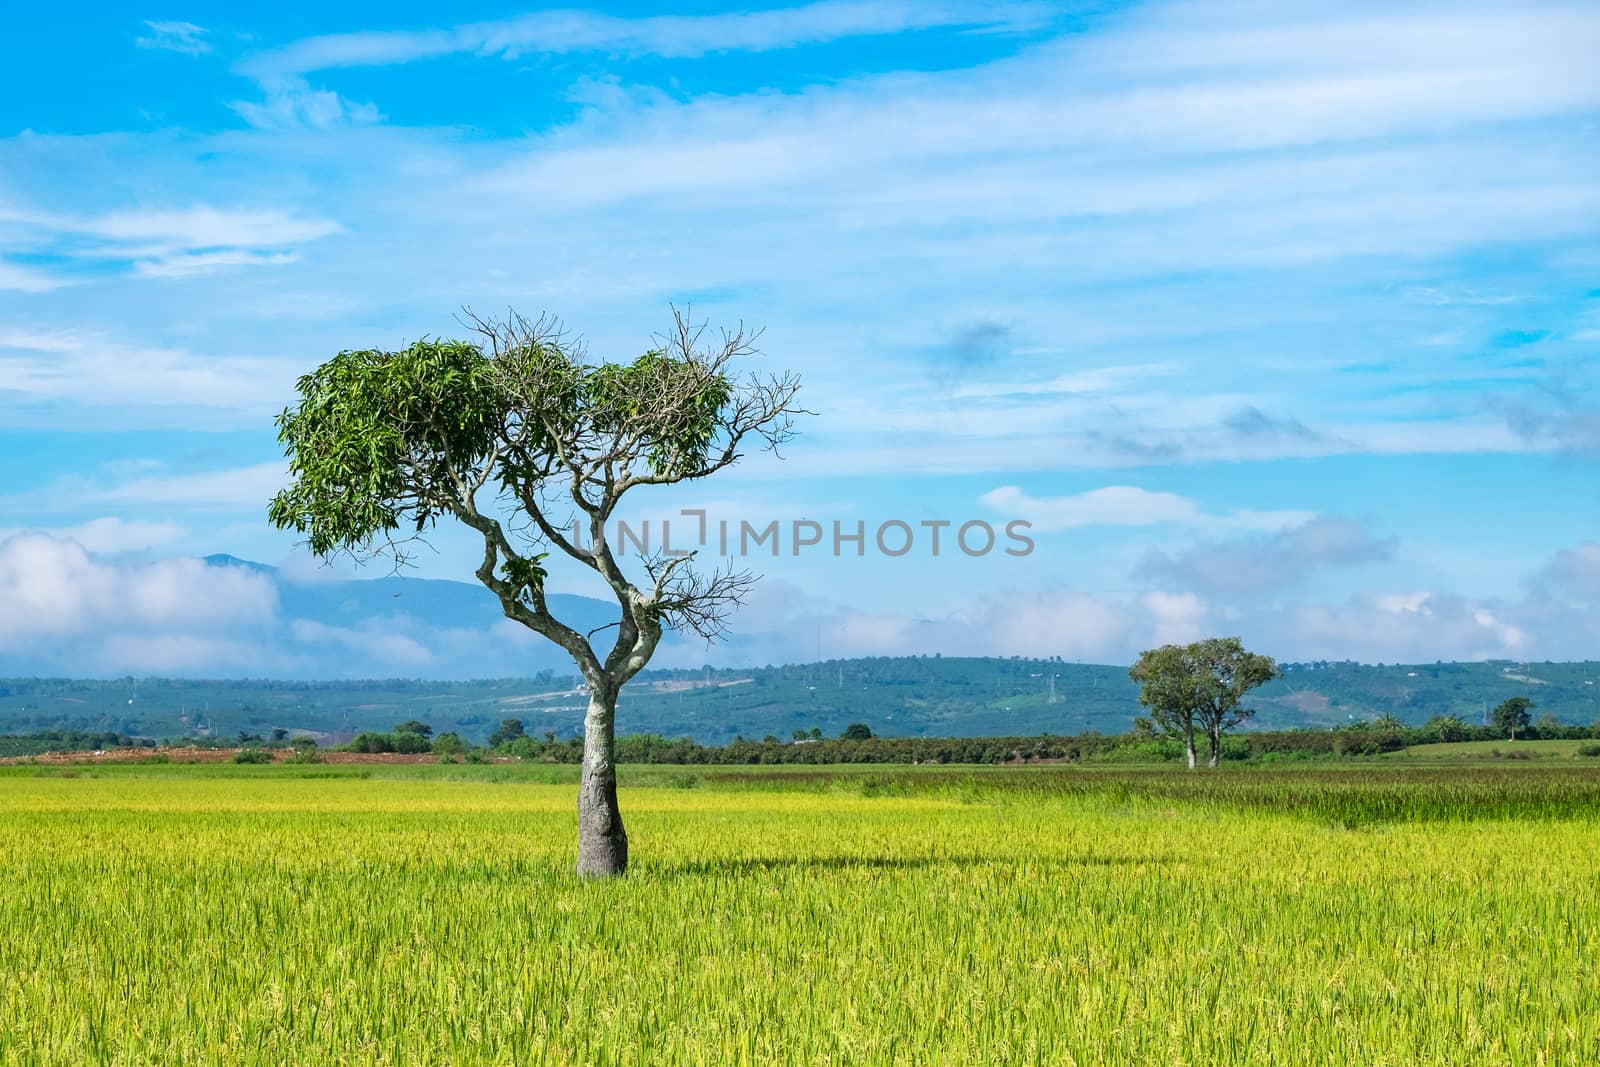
column 1199, row 686
column 520, row 437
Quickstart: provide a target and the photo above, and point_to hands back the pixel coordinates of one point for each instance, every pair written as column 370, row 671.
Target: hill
column 900, row 696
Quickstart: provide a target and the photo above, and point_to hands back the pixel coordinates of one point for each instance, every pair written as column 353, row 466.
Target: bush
column 1589, row 750
column 476, row 755
column 253, row 755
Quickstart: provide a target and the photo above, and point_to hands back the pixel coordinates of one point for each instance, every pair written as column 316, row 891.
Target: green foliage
column 508, row 730
column 856, row 731
column 404, row 742
column 449, row 744
column 679, row 435
column 1199, row 685
column 253, row 755
column 413, row 726
column 378, row 438
column 1446, row 728
column 1513, row 715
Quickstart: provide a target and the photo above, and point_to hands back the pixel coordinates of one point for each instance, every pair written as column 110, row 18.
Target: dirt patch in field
column 192, row 754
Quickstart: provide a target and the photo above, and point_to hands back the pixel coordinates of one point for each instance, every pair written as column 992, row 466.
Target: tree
column 1199, row 686
column 508, row 730
column 511, row 434
column 1512, row 714
column 412, row 726
column 1549, row 725
column 1446, row 728
column 856, row 731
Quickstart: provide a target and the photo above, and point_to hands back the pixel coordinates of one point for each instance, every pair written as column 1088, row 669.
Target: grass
column 1493, row 750
column 427, row 914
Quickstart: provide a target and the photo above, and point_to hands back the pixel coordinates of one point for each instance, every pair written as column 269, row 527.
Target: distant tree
column 856, row 731
column 1199, row 687
column 1446, row 728
column 1513, row 714
column 514, row 434
column 449, row 744
column 1388, row 721
column 1548, row 725
column 508, row 730
column 816, row 732
column 412, row 726
column 800, row 735
column 279, row 733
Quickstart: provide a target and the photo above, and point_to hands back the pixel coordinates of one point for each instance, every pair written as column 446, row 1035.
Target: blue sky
column 1273, row 319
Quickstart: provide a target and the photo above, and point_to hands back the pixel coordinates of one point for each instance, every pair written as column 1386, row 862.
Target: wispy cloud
column 199, row 239
column 1127, row 505
column 93, row 369
column 669, row 36
column 111, row 534
column 291, row 101
column 1264, row 563
column 184, row 37
column 26, row 279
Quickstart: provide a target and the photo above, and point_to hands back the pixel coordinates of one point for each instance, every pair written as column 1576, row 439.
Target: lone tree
column 1513, row 714
column 523, row 439
column 1199, row 686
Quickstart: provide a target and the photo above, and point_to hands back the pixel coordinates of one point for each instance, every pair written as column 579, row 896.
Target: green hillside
column 904, row 696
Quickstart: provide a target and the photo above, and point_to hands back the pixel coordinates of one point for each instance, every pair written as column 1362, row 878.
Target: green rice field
column 1375, row 915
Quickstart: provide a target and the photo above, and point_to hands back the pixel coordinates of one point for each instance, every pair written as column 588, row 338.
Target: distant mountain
column 462, row 620
column 444, row 603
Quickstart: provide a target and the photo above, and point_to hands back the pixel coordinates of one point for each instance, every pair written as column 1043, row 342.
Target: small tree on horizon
column 508, row 730
column 1198, row 687
column 1514, row 714
column 523, row 440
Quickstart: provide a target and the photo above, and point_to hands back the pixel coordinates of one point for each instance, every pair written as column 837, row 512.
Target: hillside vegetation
column 903, row 696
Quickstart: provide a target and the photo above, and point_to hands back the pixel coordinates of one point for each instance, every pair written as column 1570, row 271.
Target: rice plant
column 251, row 915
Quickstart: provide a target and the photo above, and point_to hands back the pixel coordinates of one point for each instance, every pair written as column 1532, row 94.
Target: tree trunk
column 1214, row 736
column 1188, row 747
column 602, row 842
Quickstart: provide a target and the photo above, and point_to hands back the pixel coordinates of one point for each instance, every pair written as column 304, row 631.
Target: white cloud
column 248, row 487
column 1264, row 563
column 26, row 280
column 111, row 534
column 159, row 241
column 1127, row 505
column 293, row 104
column 183, row 37
column 96, row 370
column 186, row 264
column 374, row 641
column 69, row 609
column 669, row 36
